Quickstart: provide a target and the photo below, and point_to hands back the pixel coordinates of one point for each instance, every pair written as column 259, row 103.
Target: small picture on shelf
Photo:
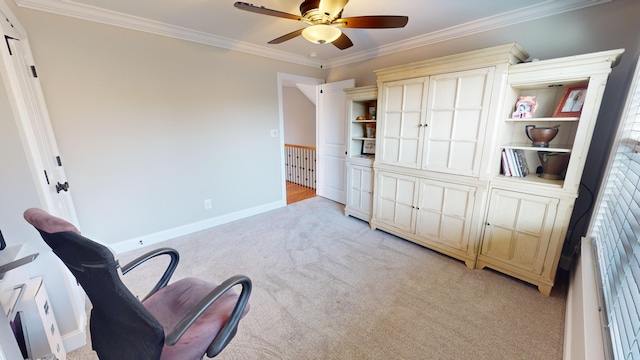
column 372, row 112
column 572, row 101
column 370, row 130
column 368, row 147
column 525, row 107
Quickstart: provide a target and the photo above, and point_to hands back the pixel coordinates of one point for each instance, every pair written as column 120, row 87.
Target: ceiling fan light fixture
column 321, row 33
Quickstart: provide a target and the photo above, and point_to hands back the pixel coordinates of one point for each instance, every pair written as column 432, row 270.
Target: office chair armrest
column 228, row 330
column 164, row 280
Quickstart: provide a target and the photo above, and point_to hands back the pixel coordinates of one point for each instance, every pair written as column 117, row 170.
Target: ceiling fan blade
column 264, row 11
column 373, row 22
column 343, row 42
column 286, row 37
column 332, row 8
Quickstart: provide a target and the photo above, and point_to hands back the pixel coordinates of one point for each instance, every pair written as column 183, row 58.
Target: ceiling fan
column 325, row 20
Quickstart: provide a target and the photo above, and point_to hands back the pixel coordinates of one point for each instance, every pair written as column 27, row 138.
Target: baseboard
column 75, row 339
column 151, row 239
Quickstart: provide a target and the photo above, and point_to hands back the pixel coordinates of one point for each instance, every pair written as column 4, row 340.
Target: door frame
column 32, row 119
column 283, row 79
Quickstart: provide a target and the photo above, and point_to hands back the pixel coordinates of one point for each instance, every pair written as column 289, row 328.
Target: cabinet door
column 456, row 119
column 518, row 229
column 360, row 189
column 395, row 199
column 400, row 120
column 444, row 213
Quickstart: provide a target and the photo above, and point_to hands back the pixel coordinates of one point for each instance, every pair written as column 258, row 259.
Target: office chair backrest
column 133, row 333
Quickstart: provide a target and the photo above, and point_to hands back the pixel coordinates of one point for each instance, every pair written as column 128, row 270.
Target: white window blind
column 615, row 230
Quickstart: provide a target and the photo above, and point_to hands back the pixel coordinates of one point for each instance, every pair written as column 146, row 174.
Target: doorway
column 330, row 137
column 297, row 110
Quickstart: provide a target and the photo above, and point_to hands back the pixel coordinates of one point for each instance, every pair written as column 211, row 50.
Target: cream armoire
column 442, row 127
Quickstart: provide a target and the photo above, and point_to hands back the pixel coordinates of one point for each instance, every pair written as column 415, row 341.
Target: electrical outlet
column 207, row 204
column 274, row 133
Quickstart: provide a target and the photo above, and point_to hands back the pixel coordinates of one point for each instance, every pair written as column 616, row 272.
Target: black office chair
column 183, row 320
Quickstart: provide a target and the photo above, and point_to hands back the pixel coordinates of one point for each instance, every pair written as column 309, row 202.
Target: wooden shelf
column 528, row 147
column 362, row 138
column 548, row 119
column 363, row 156
column 532, row 178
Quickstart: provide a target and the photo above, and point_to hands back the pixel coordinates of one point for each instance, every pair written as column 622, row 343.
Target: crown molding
column 108, row 17
column 545, row 9
column 90, row 13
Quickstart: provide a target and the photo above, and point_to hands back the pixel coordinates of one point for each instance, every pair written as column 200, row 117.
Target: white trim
column 103, row 16
column 285, row 80
column 91, row 13
column 76, row 339
column 187, row 229
column 544, row 9
column 583, row 331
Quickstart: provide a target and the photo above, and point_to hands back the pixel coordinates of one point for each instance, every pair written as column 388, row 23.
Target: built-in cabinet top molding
column 559, row 69
column 502, row 54
column 362, row 92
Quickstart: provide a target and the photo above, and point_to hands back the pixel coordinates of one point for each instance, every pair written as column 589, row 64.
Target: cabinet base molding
column 468, row 259
column 358, row 215
column 544, row 285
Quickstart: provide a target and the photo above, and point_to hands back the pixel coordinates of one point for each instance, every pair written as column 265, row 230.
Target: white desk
column 9, row 297
column 26, row 296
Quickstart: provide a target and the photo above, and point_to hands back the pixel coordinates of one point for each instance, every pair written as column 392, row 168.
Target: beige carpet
column 328, row 287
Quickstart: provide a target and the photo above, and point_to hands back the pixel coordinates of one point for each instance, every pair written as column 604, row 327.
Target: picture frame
column 370, row 130
column 572, row 102
column 525, row 107
column 368, row 147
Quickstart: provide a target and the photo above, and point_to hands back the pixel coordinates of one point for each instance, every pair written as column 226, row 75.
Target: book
column 513, row 166
column 505, row 164
column 522, row 162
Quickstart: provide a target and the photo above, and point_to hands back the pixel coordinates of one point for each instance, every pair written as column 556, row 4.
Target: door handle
column 61, row 187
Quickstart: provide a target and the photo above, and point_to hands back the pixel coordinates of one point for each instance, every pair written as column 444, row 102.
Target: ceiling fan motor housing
column 310, row 10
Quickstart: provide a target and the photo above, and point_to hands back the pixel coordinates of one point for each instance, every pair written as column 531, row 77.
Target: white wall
column 149, row 127
column 299, row 115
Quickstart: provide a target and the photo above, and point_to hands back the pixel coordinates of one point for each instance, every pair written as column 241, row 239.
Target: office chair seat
column 173, row 303
column 184, row 320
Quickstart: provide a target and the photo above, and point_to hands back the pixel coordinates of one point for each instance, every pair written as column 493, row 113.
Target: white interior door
column 25, row 96
column 21, row 79
column 332, row 140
